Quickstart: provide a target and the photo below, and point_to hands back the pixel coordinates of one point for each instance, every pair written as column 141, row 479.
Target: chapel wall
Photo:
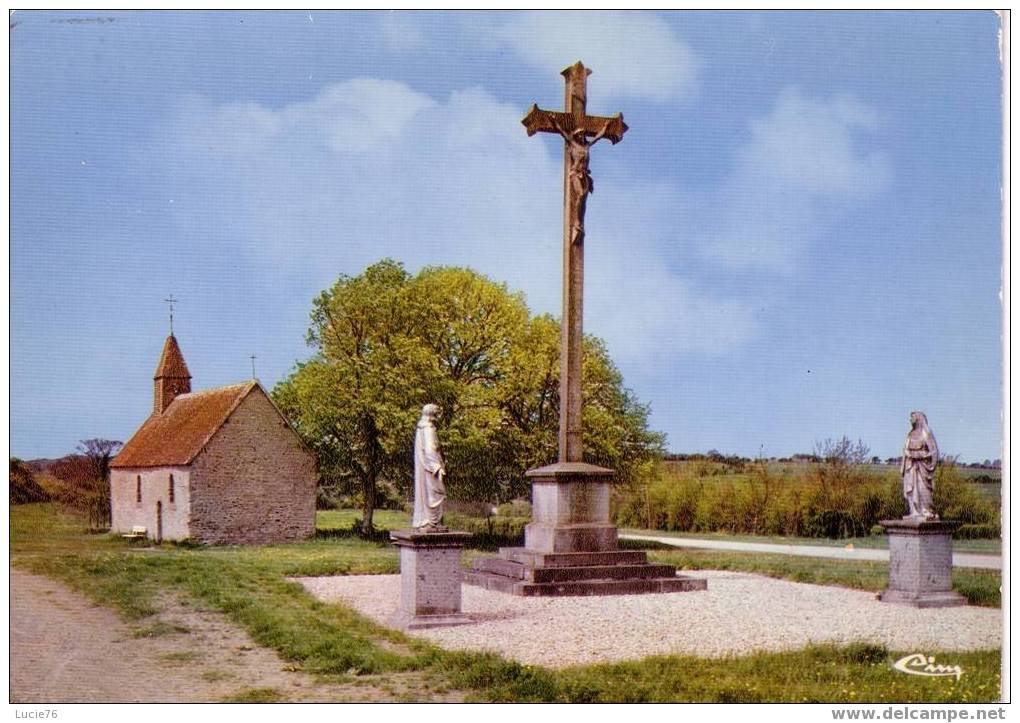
column 255, row 481
column 127, row 511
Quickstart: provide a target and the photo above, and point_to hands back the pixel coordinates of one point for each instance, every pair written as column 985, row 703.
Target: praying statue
column 920, row 456
column 429, row 491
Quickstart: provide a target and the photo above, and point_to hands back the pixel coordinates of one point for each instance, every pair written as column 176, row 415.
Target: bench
column 136, row 532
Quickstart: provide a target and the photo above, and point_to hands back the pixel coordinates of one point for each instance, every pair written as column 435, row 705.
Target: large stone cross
column 580, row 132
column 570, row 498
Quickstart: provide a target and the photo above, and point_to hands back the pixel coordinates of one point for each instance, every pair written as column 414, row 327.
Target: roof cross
column 171, row 301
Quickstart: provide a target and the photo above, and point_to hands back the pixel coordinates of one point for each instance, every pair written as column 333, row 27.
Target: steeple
column 172, row 376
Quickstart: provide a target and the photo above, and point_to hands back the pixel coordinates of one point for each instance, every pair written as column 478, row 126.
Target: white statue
column 429, row 491
column 920, row 456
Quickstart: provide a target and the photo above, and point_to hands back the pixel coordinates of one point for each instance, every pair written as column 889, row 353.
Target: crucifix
column 253, row 358
column 171, row 301
column 580, row 132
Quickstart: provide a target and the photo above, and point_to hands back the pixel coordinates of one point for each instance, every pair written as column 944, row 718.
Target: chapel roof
column 171, row 361
column 175, row 437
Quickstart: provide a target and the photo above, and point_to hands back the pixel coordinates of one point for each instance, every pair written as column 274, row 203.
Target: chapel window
column 171, row 488
column 138, row 489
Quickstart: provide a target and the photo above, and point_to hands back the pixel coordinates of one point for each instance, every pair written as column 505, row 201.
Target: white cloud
column 808, row 145
column 372, row 168
column 634, row 54
column 801, row 167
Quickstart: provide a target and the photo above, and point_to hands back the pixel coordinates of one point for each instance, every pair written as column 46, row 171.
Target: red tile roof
column 171, row 361
column 175, row 437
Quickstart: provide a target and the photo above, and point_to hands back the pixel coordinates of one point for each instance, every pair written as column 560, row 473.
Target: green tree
column 471, row 328
column 352, row 402
column 387, row 342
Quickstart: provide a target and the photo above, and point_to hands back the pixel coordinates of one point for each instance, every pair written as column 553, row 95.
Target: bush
column 75, row 481
column 469, row 508
column 955, row 499
column 489, row 532
column 24, row 488
column 516, row 508
column 838, row 497
column 978, row 532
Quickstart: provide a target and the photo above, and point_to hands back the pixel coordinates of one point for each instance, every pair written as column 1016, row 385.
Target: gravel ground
column 738, row 614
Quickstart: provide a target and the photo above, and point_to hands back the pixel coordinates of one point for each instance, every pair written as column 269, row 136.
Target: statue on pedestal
column 920, row 456
column 429, row 471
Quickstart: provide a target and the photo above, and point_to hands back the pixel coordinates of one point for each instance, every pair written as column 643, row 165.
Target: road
column 64, row 649
column 960, row 559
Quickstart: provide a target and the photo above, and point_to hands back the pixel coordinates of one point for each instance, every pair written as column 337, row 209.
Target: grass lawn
column 980, row 587
column 248, row 585
column 345, row 518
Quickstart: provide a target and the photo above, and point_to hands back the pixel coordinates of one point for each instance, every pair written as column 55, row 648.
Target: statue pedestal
column 921, row 563
column 430, row 578
column 570, row 545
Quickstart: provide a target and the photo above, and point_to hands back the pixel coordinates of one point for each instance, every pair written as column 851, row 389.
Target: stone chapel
column 222, row 465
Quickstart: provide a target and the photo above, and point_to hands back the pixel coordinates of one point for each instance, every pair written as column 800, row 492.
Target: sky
column 799, row 237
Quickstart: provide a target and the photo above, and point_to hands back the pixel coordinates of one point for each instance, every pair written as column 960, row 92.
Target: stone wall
column 127, row 512
column 255, row 481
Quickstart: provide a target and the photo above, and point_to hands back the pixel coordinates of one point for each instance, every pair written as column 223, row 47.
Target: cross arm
column 549, row 121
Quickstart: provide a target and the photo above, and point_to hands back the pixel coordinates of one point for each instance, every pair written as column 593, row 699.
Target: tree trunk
column 372, row 467
column 368, row 505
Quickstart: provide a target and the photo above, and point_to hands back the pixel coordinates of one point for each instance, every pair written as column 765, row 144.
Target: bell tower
column 172, row 376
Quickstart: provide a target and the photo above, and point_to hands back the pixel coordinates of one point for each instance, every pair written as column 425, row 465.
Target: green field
column 345, row 519
column 249, row 586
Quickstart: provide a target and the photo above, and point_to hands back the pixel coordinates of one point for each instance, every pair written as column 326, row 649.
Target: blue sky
column 799, row 238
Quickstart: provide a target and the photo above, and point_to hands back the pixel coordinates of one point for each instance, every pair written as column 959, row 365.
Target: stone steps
column 533, row 558
column 514, row 586
column 564, row 573
column 519, row 571
column 507, row 568
column 598, row 572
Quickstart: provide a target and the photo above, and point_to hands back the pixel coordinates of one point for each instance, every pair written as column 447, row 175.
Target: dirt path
column 64, row 649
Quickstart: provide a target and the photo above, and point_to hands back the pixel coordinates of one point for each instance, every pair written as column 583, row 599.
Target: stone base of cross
column 570, row 509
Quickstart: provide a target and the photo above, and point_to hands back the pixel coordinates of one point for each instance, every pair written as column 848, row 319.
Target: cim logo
column 921, row 664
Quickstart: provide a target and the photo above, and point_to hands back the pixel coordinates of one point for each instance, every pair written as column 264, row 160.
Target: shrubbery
column 979, row 532
column 79, row 484
column 837, row 498
column 956, row 499
column 495, row 531
column 24, row 488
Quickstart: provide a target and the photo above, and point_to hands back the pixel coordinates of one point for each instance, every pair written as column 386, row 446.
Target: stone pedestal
column 570, row 509
column 570, row 546
column 430, row 578
column 921, row 563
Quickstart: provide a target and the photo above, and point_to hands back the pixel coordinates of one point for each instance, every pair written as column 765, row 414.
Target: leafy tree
column 387, row 342
column 352, row 401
